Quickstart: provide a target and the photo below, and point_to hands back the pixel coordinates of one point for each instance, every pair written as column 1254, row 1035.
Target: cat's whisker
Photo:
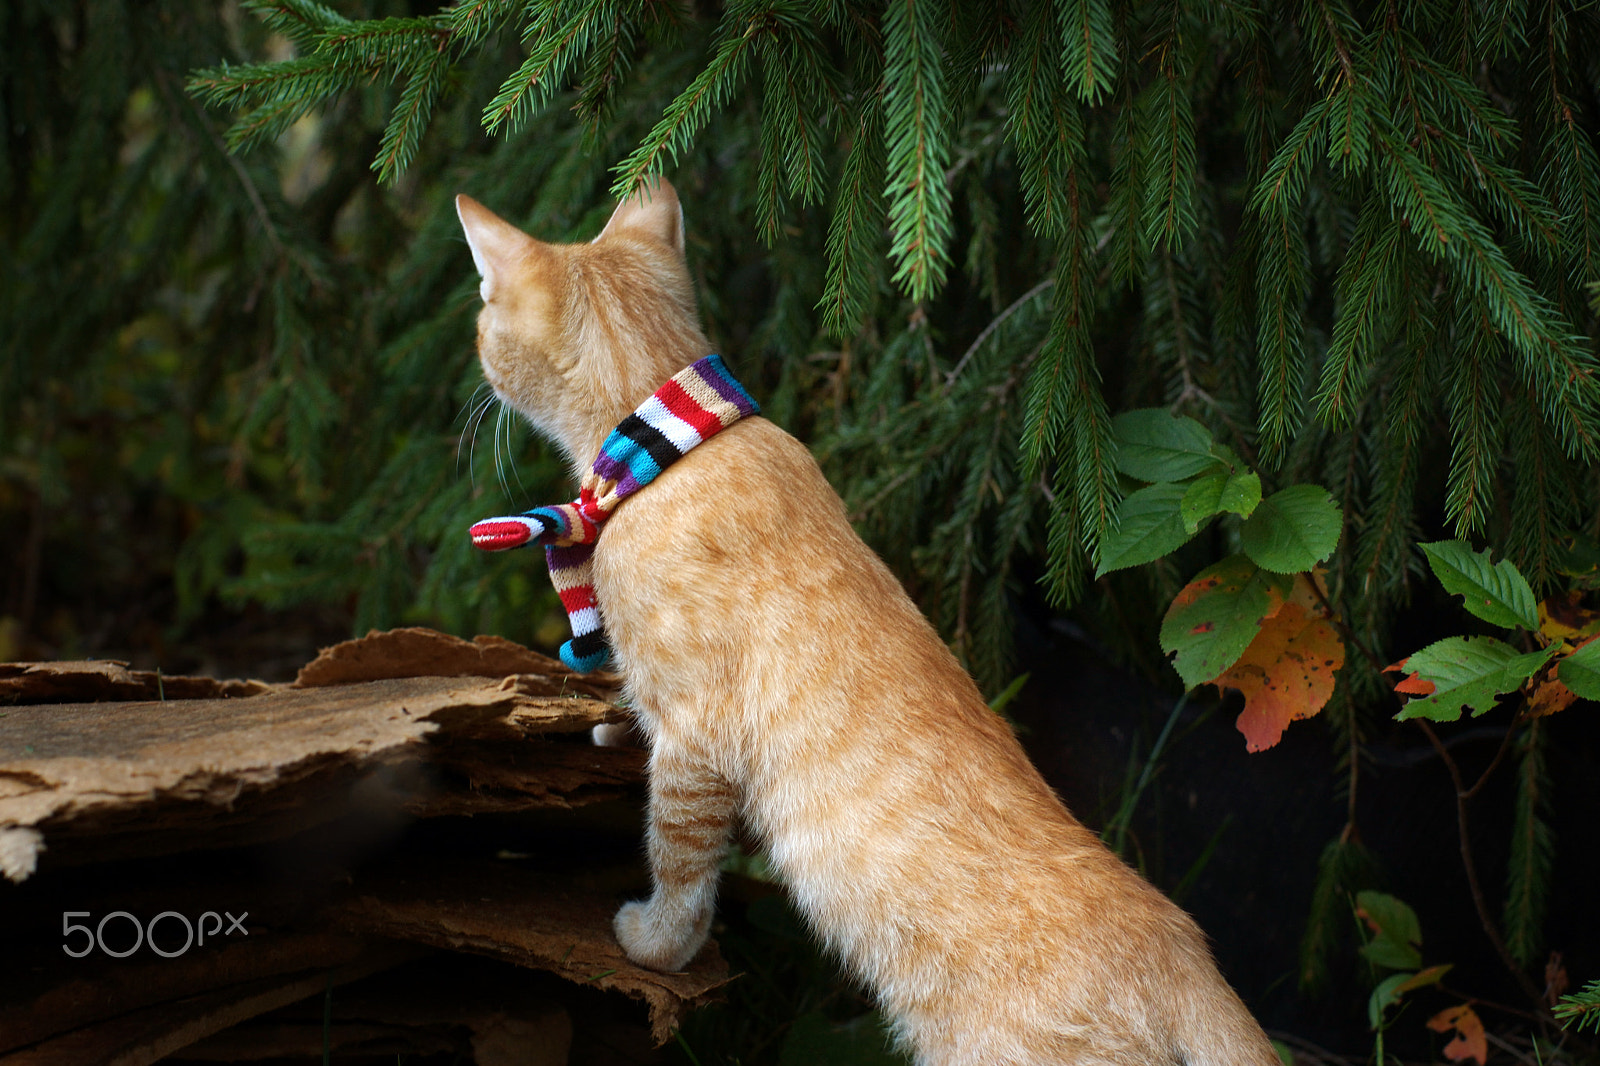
column 470, row 434
column 511, row 457
column 499, row 452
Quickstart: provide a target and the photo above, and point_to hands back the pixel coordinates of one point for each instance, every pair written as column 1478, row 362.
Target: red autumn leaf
column 1411, row 684
column 1286, row 673
column 1470, row 1041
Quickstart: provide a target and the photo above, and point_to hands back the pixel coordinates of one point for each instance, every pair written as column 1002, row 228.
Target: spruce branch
column 558, row 44
column 1550, row 356
column 740, row 30
column 410, row 117
column 1366, row 293
column 1169, row 215
column 1088, row 47
column 1532, row 851
column 917, row 136
column 302, row 21
column 1474, row 399
column 470, row 21
column 855, row 230
column 1283, row 275
column 1045, row 126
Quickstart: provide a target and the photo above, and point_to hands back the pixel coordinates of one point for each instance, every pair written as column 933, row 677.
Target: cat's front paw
column 613, row 735
column 658, row 942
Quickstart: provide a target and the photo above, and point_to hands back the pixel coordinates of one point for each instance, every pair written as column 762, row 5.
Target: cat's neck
column 583, row 444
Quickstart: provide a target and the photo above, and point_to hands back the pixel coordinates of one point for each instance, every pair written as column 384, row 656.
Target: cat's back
column 739, row 565
column 908, row 822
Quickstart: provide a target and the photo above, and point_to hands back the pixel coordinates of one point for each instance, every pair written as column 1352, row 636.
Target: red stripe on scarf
column 680, row 403
column 577, row 598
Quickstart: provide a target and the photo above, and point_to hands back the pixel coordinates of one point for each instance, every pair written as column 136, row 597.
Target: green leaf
column 1397, row 937
column 1216, row 616
column 1155, row 445
column 1236, row 493
column 1496, row 593
column 1292, row 530
column 1391, row 988
column 1009, row 693
column 1468, row 672
column 1580, row 671
column 1383, row 997
column 1150, row 524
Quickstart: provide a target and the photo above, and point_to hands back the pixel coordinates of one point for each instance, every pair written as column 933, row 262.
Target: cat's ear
column 496, row 244
column 652, row 212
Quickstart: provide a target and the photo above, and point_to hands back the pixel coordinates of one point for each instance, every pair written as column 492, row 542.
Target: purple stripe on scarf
column 709, row 373
column 618, row 471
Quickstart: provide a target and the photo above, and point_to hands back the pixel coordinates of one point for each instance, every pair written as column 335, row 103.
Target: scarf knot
column 693, row 406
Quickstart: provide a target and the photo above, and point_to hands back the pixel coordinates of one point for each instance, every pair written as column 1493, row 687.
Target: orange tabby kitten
column 784, row 677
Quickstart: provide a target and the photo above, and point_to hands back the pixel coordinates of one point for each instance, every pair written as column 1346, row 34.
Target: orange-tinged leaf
column 1308, row 596
column 1563, row 618
column 1412, row 684
column 1550, row 696
column 1470, row 1041
column 1431, row 976
column 1194, row 590
column 1285, row 674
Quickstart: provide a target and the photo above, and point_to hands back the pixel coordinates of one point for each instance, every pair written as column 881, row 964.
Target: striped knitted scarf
column 697, row 403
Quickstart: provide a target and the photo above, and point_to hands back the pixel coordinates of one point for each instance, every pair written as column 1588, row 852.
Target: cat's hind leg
column 691, row 815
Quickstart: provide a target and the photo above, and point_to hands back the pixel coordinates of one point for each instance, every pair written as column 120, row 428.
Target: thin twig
column 1510, row 1049
column 1505, row 745
column 1478, row 901
column 988, row 331
column 1321, row 1054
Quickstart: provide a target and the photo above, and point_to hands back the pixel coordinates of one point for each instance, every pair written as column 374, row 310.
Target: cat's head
column 575, row 336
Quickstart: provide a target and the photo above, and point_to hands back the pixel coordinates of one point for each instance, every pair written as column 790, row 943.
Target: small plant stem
column 1477, row 1000
column 1505, row 746
column 1354, row 755
column 1489, row 928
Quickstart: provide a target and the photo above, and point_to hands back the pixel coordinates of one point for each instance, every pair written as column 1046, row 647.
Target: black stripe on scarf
column 642, row 433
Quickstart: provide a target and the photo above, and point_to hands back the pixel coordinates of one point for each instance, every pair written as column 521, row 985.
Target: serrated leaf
column 1396, row 934
column 1292, row 530
column 1217, row 615
column 1287, row 673
column 1496, row 593
column 1469, row 672
column 1214, row 493
column 1150, row 524
column 1580, row 671
column 1155, row 445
